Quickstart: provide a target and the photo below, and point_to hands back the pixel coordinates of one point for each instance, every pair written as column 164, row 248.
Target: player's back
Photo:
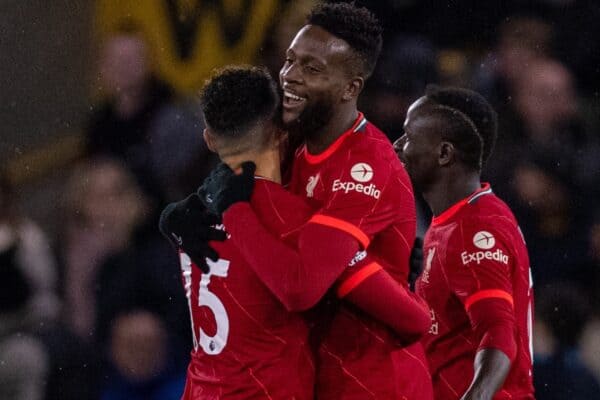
column 473, row 253
column 246, row 344
column 359, row 185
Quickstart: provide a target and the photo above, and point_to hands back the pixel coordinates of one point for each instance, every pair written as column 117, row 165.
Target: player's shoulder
column 488, row 210
column 371, row 146
column 486, row 224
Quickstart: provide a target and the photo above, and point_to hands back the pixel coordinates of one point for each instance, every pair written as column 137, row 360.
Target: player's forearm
column 297, row 277
column 491, row 368
column 392, row 304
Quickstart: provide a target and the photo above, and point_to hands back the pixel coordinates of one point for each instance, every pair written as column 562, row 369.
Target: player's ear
column 353, row 88
column 447, row 153
column 209, row 139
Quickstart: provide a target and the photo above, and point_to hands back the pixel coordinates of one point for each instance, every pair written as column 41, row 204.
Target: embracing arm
column 375, row 291
column 299, row 277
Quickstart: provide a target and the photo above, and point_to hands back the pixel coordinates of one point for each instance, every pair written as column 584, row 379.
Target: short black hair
column 357, row 26
column 473, row 122
column 235, row 98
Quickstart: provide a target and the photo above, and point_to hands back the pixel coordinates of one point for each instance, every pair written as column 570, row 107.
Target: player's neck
column 451, row 189
column 340, row 122
column 267, row 163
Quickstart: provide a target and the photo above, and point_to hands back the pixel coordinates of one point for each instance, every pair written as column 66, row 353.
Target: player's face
column 419, row 147
column 313, row 77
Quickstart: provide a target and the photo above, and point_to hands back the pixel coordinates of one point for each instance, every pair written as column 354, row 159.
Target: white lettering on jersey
column 359, row 256
column 484, row 240
column 361, row 172
column 479, row 256
column 434, row 329
column 310, row 186
column 346, row 187
column 428, row 260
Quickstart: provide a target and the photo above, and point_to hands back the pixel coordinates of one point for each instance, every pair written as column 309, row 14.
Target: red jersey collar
column 450, row 212
column 358, row 124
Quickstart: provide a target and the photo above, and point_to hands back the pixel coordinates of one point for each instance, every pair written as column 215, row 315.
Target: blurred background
column 100, row 128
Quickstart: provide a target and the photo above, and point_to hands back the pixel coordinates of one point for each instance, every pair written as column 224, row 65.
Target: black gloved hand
column 189, row 227
column 223, row 187
column 212, row 184
column 415, row 262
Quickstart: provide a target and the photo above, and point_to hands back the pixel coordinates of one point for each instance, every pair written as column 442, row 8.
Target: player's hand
column 212, row 184
column 189, row 227
column 223, row 187
column 415, row 262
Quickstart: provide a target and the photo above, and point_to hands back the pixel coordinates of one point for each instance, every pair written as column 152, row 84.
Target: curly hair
column 235, row 98
column 357, row 26
column 473, row 123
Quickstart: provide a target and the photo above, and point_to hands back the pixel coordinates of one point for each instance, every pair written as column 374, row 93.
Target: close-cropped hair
column 473, row 123
column 236, row 98
column 357, row 26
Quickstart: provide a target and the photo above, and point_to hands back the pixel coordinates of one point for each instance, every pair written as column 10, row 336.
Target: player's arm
column 491, row 368
column 368, row 286
column 298, row 277
column 483, row 285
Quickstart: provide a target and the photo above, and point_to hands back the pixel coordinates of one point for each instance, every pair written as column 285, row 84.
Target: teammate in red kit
column 476, row 277
column 246, row 343
column 347, row 170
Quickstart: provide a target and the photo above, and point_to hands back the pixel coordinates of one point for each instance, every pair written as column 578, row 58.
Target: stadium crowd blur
column 94, row 308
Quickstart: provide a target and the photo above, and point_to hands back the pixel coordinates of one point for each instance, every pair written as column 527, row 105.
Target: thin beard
column 308, row 125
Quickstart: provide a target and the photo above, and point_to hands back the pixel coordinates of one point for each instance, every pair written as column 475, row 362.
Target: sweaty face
column 313, row 78
column 419, row 147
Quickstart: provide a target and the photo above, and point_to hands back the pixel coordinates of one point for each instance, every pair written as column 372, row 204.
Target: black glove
column 189, row 227
column 212, row 184
column 223, row 187
column 415, row 262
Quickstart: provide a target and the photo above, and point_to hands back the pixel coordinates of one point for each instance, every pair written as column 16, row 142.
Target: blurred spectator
column 102, row 207
column 520, row 41
column 179, row 157
column 116, row 261
column 141, row 366
column 559, row 371
column 27, row 300
column 119, row 127
column 406, row 65
column 158, row 137
column 545, row 166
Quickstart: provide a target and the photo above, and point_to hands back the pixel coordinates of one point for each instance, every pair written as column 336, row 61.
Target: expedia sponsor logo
column 347, row 187
column 361, row 172
column 479, row 256
column 484, row 240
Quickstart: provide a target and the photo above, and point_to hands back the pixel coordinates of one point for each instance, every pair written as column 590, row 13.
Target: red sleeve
column 493, row 321
column 298, row 277
column 373, row 290
column 479, row 271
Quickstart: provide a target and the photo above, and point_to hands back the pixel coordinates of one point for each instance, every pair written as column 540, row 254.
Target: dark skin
column 436, row 170
column 318, row 72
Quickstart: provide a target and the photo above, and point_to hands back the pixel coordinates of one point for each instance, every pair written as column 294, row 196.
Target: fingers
column 210, row 219
column 211, row 253
column 216, row 234
column 222, row 168
column 248, row 168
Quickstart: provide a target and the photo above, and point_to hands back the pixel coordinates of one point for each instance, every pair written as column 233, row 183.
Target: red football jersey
column 359, row 186
column 475, row 252
column 246, row 344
